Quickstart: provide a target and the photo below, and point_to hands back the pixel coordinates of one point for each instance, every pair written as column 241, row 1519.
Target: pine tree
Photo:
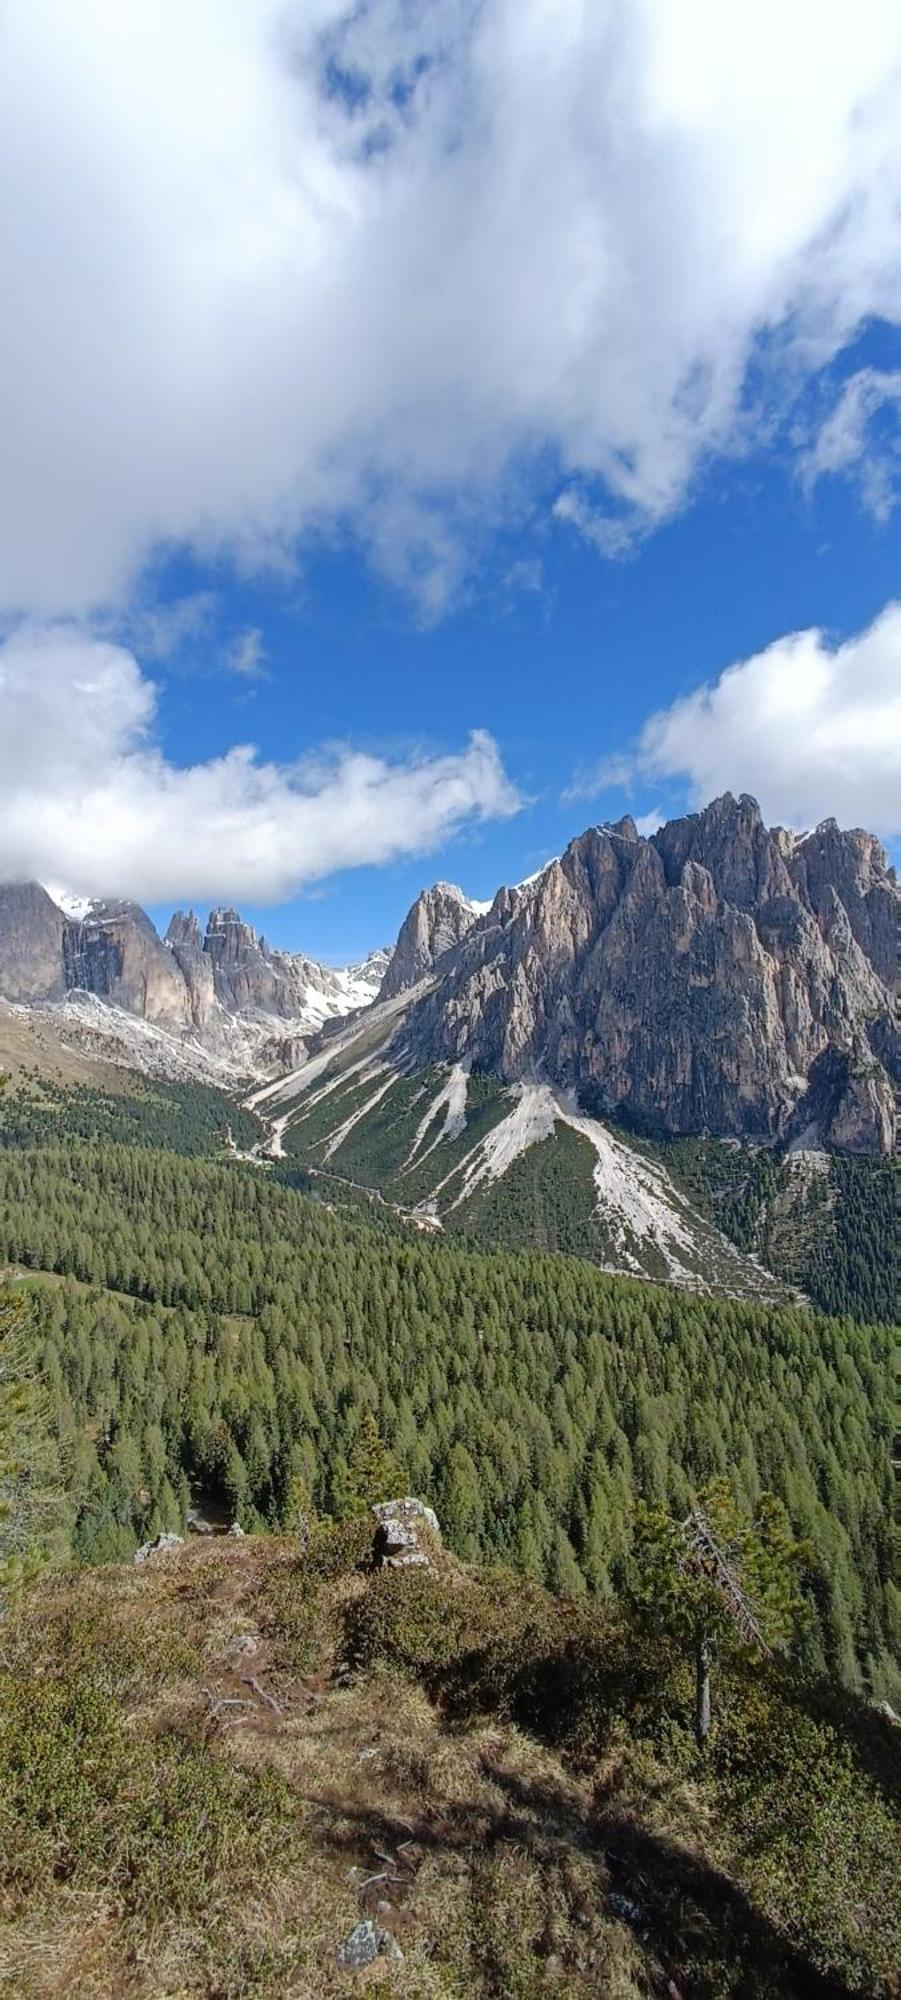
column 372, row 1474
column 717, row 1579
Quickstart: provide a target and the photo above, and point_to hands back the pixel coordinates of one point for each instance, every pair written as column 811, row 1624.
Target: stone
column 364, row 1944
column 31, row 944
column 623, row 1906
column 398, row 1543
column 235, row 1529
column 159, row 1547
column 407, row 1511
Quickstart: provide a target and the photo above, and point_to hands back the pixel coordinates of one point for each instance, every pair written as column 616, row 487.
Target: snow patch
column 76, row 907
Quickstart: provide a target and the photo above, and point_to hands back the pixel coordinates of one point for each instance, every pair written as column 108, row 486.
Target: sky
column 429, row 429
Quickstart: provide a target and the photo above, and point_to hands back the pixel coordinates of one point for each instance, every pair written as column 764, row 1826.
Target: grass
column 213, row 1766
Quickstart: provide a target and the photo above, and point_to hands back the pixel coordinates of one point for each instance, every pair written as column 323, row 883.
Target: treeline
column 186, row 1118
column 532, row 1397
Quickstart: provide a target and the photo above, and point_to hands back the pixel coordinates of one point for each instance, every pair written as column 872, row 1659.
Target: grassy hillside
column 228, row 1333
column 212, row 1769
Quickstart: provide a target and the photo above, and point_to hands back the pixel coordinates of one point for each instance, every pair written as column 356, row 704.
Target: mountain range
column 219, row 997
column 716, row 977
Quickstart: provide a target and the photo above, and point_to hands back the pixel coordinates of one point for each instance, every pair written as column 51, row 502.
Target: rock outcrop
column 31, row 944
column 230, row 964
column 116, row 953
column 718, row 977
column 438, row 919
column 404, row 1531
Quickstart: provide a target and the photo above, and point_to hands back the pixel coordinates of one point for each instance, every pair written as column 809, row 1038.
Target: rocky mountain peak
column 689, row 982
column 438, row 919
column 31, row 943
column 184, row 930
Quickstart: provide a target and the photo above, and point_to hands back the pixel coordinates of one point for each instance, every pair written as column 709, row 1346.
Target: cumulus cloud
column 811, row 728
column 88, row 801
column 271, row 265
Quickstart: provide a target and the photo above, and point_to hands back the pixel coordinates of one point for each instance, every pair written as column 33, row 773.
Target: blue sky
column 515, row 370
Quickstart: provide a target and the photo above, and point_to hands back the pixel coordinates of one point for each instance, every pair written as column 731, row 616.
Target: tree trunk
column 702, row 1690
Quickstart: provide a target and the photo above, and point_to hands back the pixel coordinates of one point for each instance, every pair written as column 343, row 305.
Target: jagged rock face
column 194, row 981
column 690, row 982
column 244, row 979
column 116, row 953
column 438, row 919
column 235, row 967
column 186, row 943
column 851, row 867
column 31, row 944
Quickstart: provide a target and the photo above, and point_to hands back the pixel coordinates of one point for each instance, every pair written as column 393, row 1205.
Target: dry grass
column 210, row 1798
column 466, row 1843
column 30, row 1043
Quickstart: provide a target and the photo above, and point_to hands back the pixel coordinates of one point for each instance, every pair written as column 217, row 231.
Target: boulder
column 159, row 1547
column 398, row 1540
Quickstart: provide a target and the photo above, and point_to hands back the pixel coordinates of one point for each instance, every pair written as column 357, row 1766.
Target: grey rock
column 407, row 1510
column 365, row 1943
column 31, row 944
column 435, row 923
column 230, row 965
column 236, row 1529
column 189, row 981
column 624, row 1906
column 162, row 1544
column 691, row 982
column 116, row 953
column 185, row 940
column 398, row 1535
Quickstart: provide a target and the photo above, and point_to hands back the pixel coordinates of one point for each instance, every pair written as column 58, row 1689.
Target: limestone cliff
column 713, row 978
column 438, row 919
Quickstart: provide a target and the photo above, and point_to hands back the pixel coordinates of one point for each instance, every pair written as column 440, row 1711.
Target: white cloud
column 612, row 535
column 846, row 442
column 272, row 265
column 812, row 729
column 246, row 655
column 88, row 801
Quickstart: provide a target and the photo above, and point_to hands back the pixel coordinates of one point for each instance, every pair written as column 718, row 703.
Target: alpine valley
column 673, row 1055
column 376, row 1532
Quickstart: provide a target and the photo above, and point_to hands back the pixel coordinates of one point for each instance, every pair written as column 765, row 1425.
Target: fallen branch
column 250, row 1680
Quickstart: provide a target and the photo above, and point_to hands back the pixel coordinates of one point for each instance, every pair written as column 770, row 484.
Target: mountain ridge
column 222, row 992
column 714, row 977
